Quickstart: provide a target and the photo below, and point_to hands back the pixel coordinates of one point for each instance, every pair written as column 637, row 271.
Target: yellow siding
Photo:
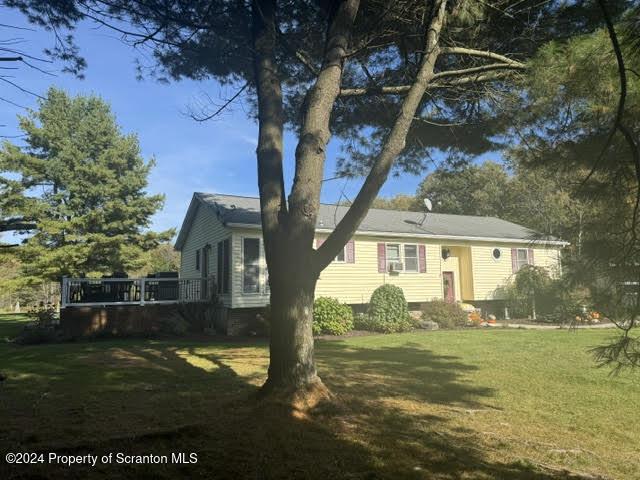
column 205, row 229
column 490, row 275
column 355, row 282
column 548, row 258
column 478, row 276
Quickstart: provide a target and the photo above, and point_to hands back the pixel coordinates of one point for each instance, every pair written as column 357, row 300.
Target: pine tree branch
column 477, row 53
column 622, row 74
column 401, row 89
column 219, row 110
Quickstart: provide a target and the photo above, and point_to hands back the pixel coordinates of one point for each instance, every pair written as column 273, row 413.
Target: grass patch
column 439, row 405
column 11, row 324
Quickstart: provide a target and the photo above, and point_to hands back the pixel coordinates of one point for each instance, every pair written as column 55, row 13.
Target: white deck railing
column 84, row 292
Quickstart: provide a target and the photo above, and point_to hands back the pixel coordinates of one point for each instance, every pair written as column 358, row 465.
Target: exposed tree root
column 299, row 400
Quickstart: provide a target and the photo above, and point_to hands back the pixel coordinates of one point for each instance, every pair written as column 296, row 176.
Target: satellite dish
column 428, row 204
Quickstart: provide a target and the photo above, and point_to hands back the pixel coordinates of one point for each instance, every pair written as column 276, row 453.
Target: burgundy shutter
column 422, row 258
column 514, row 260
column 351, row 252
column 382, row 258
column 319, row 242
column 530, row 256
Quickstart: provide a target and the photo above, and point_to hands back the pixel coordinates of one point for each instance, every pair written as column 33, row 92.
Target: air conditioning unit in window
column 395, row 266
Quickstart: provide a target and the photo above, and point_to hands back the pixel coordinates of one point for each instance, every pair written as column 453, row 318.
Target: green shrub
column 445, row 314
column 44, row 315
column 331, row 317
column 388, row 311
column 531, row 293
column 573, row 302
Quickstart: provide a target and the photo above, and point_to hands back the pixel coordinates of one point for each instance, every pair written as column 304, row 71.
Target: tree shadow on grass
column 409, row 371
column 200, row 400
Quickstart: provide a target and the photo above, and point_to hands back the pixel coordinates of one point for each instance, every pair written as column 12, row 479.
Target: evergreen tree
column 82, row 182
column 580, row 120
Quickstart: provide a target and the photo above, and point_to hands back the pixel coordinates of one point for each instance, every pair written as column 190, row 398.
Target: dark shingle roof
column 232, row 209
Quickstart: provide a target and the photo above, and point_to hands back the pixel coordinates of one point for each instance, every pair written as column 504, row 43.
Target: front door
column 448, row 287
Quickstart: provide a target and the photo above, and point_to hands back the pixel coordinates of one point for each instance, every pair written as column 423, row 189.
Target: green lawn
column 486, row 404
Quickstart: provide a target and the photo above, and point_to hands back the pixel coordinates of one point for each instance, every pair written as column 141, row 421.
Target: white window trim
column 386, row 256
column 518, row 266
column 402, row 257
column 344, row 255
column 261, row 264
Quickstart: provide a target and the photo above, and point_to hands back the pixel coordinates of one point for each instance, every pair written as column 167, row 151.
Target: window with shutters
column 401, row 257
column 346, row 255
column 410, row 258
column 522, row 258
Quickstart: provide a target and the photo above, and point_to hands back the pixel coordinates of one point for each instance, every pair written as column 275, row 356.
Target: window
column 198, row 259
column 393, row 257
column 251, row 264
column 522, row 258
column 341, row 257
column 223, row 266
column 410, row 258
column 496, row 253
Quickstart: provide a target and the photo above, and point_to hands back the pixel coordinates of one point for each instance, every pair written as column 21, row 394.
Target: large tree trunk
column 292, row 378
column 289, row 230
column 291, row 342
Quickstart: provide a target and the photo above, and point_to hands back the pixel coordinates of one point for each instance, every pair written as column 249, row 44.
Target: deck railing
column 81, row 292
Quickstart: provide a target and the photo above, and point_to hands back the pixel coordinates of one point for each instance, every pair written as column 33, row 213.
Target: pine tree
column 82, row 182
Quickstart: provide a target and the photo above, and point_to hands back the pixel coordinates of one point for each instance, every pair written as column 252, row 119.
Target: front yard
column 477, row 404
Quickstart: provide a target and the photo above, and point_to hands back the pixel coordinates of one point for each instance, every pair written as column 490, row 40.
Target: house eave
column 559, row 243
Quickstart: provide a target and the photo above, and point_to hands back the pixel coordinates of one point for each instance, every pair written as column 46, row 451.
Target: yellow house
column 428, row 255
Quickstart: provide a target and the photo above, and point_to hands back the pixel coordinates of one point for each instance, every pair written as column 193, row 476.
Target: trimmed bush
column 331, row 317
column 445, row 314
column 388, row 311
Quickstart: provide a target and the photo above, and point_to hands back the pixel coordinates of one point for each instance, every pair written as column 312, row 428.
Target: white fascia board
column 372, row 233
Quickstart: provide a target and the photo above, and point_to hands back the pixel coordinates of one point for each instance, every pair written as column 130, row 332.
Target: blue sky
column 215, row 156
